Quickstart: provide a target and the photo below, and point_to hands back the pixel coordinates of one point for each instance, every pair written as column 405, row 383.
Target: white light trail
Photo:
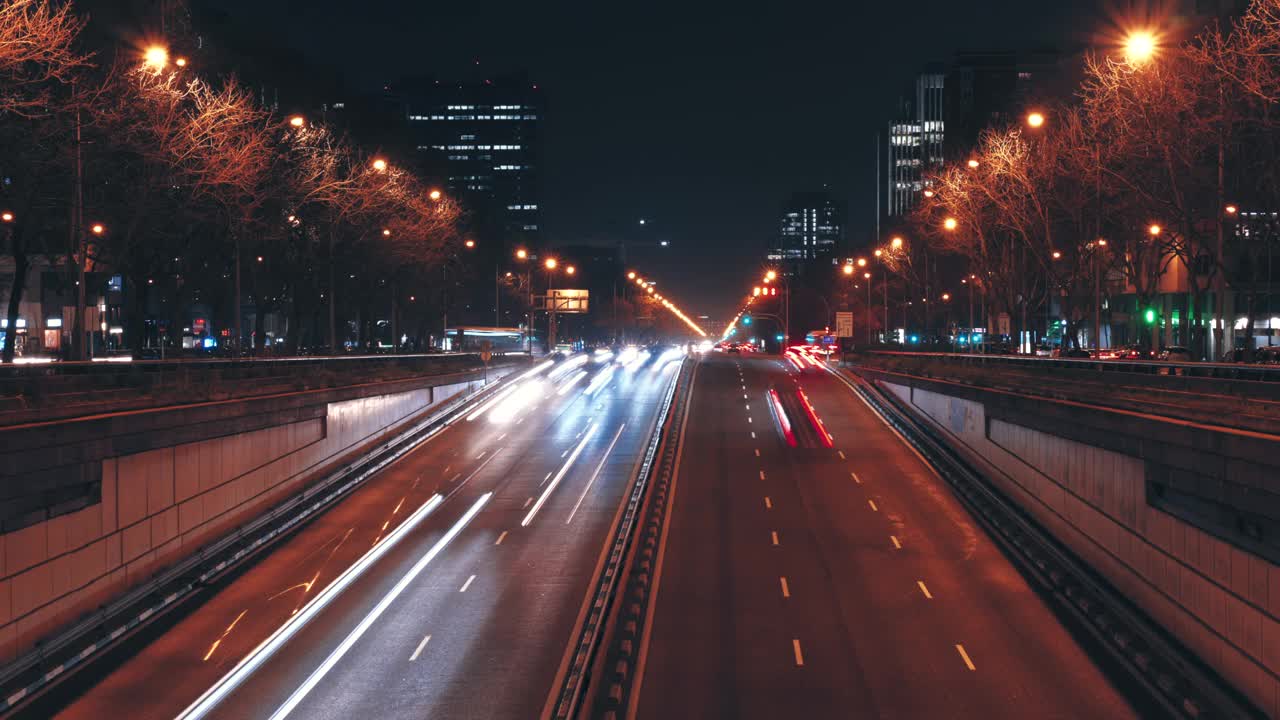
column 574, row 380
column 564, row 469
column 492, row 401
column 263, row 652
column 516, row 401
column 315, row 678
column 599, row 381
column 569, row 364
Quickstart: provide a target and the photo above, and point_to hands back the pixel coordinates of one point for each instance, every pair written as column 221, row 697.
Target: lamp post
column 867, row 276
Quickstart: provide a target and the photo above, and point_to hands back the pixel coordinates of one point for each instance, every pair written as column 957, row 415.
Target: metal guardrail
column 1169, row 674
column 590, row 641
column 1222, row 371
column 55, row 658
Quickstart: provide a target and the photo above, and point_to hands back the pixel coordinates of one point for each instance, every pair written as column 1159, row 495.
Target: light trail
column 492, row 401
column 595, row 474
column 781, row 414
column 600, row 380
column 516, row 401
column 573, row 380
column 813, row 418
column 564, row 469
column 569, row 364
column 303, row 690
column 207, row 701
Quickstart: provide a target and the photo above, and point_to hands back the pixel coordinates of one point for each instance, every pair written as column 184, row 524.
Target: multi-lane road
column 812, row 566
column 448, row 586
column 841, row 581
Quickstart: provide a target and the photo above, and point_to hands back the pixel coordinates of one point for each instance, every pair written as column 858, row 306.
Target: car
column 1175, row 353
column 1133, row 352
column 1076, row 354
column 735, row 349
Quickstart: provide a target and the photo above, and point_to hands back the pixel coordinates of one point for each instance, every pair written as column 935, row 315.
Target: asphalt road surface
column 487, row 538
column 842, row 581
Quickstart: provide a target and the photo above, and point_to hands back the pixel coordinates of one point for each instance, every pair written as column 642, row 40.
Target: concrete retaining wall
column 1220, row 600
column 161, row 504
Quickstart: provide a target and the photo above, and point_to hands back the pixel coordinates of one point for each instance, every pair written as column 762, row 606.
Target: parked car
column 1176, row 353
column 1133, row 352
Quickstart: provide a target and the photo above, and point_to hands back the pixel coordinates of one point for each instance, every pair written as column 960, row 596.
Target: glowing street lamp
column 1232, row 209
column 631, row 275
column 379, row 164
column 1140, row 46
column 180, row 62
column 435, row 195
column 1057, row 255
column 1035, row 120
column 386, row 232
column 862, row 262
column 97, row 229
column 6, row 216
column 550, row 264
column 522, row 254
column 156, row 57
column 866, row 276
column 946, row 297
column 771, row 275
column 470, row 243
column 879, row 252
column 928, row 193
column 1155, row 230
column 950, row 223
column 973, row 164
column 297, row 121
column 571, row 269
column 848, row 269
column 896, row 243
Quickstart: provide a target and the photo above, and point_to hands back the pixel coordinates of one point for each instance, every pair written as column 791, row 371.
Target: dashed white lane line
column 748, row 418
column 965, row 656
column 744, row 396
column 527, row 503
column 761, row 474
column 841, row 454
column 467, row 584
column 768, row 503
column 566, row 452
column 482, row 454
column 774, row 535
column 753, row 434
column 786, row 591
column 896, row 545
column 500, row 437
column 795, row 647
column 545, row 479
column 924, row 589
column 872, row 503
column 501, row 537
column 418, row 650
column 748, row 407
column 855, row 478
column 757, row 452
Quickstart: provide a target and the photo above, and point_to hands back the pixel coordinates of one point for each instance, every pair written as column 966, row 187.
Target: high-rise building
column 993, row 88
column 486, row 137
column 915, row 140
column 811, row 229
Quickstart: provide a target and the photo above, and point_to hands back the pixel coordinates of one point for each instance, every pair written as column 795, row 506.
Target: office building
column 811, row 230
column 914, row 143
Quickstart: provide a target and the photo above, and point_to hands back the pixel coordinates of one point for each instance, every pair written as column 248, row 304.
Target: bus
column 470, row 338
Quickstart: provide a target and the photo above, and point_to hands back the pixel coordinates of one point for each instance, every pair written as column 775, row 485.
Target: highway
column 841, row 581
column 447, row 586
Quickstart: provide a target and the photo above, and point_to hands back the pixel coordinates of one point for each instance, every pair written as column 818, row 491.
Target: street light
column 631, row 276
column 928, row 193
column 879, row 252
column 1057, row 255
column 386, row 232
column 522, row 254
column 551, row 263
column 435, row 195
column 156, row 57
column 1140, row 46
column 297, row 121
column 973, row 164
column 180, row 62
column 470, row 243
column 6, row 216
column 1035, row 120
column 950, row 223
column 571, row 270
column 1154, row 230
column 1232, row 209
column 379, row 164
column 896, row 243
column 98, row 229
column 848, row 269
column 862, row 262
column 771, row 275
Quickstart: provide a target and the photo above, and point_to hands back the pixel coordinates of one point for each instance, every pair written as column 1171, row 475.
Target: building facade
column 811, row 231
column 914, row 143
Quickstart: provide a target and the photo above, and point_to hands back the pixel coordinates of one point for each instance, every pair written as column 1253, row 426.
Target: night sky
column 701, row 119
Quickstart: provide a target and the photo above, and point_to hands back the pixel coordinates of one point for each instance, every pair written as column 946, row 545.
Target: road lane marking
column 744, row 396
column 965, row 656
column 466, row 584
column 768, row 503
column 753, row 434
column 896, row 545
column 795, row 646
column 564, row 470
column 566, row 452
column 748, row 407
column 841, row 454
column 545, row 479
column 757, row 452
column 873, row 505
column 501, row 437
column 301, row 693
column 501, row 537
column 595, row 474
column 761, row 474
column 786, row 591
column 527, row 503
column 418, row 651
column 924, row 589
column 774, row 535
column 855, row 478
column 748, row 419
column 481, row 455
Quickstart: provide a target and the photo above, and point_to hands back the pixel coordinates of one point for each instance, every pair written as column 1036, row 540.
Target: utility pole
column 333, row 295
column 79, row 247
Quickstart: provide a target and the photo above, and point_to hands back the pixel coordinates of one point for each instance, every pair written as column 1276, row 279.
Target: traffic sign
column 844, row 324
column 485, row 356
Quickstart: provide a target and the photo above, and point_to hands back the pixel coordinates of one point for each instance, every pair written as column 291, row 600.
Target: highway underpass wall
column 1183, row 519
column 103, row 503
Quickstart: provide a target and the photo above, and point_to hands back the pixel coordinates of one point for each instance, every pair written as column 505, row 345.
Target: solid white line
column 301, row 693
column 564, row 469
column 466, row 584
column 259, row 655
column 795, row 645
column 786, row 591
column 855, row 478
column 768, row 503
column 841, row 454
column 501, row 537
column 587, row 489
column 873, row 505
column 924, row 589
column 896, row 545
column 965, row 656
column 418, row 651
column 774, row 535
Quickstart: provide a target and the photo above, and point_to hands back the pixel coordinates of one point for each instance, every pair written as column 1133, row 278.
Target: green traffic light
column 1151, row 316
